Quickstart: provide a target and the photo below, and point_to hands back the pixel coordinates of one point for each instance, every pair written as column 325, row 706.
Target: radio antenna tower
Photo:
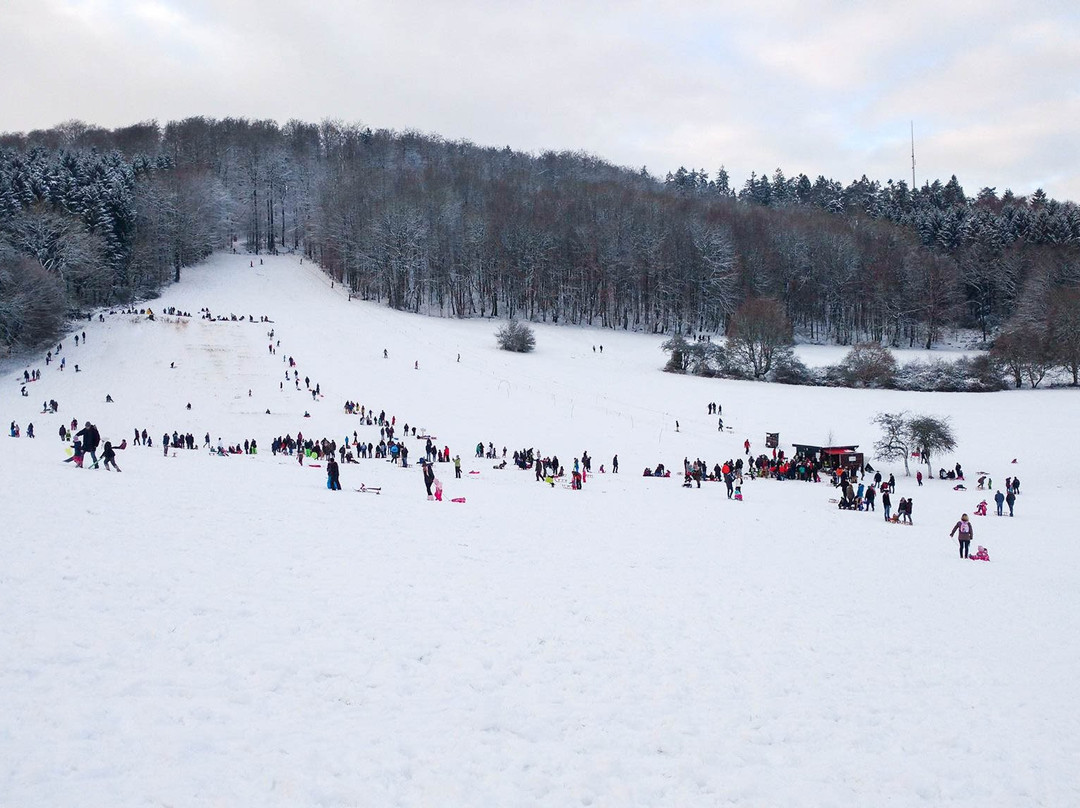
column 913, row 156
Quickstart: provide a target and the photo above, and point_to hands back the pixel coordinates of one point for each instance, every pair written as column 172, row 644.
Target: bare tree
column 1064, row 320
column 758, row 335
column 903, row 434
column 931, row 436
column 895, row 441
column 1024, row 350
column 32, row 305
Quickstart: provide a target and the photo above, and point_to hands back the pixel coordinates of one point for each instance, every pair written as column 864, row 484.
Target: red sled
column 458, row 499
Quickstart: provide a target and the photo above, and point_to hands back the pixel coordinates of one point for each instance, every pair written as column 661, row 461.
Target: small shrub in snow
column 679, row 348
column 789, row 369
column 700, row 358
column 516, row 336
column 868, row 364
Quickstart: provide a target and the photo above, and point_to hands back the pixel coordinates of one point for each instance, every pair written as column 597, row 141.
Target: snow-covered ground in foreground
column 226, row 631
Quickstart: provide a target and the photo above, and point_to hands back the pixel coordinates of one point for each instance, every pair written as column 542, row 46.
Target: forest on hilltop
column 92, row 217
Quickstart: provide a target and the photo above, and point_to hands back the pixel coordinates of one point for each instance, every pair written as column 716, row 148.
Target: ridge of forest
column 91, row 217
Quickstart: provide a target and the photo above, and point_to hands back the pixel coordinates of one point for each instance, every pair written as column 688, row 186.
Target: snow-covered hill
column 203, row 630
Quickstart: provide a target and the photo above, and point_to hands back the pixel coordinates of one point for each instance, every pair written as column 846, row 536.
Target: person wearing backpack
column 967, row 533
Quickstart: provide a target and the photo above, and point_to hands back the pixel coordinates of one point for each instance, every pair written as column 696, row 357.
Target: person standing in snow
column 90, row 440
column 967, row 533
column 999, row 500
column 886, row 503
column 1010, row 500
column 429, row 477
column 333, row 481
column 615, row 464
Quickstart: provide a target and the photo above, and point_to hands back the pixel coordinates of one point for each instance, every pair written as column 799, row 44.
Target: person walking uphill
column 967, row 533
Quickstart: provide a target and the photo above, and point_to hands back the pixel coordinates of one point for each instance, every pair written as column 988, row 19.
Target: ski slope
column 202, row 630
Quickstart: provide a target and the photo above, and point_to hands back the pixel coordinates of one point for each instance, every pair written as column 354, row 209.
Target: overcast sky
column 829, row 87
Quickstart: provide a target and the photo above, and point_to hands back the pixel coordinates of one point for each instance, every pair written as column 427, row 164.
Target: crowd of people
column 856, row 493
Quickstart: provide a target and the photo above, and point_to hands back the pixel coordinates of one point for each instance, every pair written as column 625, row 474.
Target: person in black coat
column 429, row 476
column 332, row 471
column 886, row 504
column 108, row 456
column 90, row 440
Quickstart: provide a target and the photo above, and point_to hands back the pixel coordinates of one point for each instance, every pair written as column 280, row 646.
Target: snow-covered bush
column 978, row 374
column 516, row 336
column 868, row 364
column 789, row 369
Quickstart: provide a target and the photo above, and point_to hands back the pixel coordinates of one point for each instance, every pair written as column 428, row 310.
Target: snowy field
column 218, row 631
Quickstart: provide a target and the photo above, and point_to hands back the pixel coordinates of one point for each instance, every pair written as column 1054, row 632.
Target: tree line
column 92, row 216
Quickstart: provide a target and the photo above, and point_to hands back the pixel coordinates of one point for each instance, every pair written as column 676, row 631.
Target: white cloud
column 820, row 88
